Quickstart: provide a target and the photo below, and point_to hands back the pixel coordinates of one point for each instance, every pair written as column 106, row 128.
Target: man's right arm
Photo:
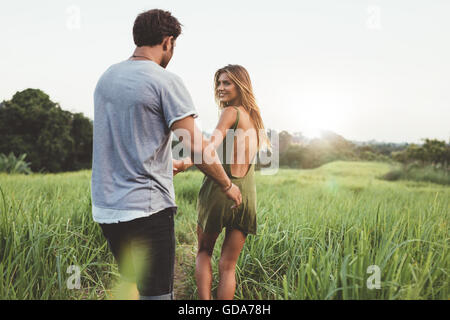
column 193, row 139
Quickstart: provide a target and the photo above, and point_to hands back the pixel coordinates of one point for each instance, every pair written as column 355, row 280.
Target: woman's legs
column 231, row 249
column 203, row 270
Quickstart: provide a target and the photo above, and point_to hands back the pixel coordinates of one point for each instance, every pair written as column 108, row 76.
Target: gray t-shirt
column 135, row 104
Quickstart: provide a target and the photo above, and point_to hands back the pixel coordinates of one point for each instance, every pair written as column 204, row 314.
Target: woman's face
column 227, row 90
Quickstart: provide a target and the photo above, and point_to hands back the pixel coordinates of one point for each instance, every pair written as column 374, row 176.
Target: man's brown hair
column 150, row 27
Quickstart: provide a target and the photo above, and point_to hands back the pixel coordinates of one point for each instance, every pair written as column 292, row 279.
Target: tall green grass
column 318, row 232
column 46, row 226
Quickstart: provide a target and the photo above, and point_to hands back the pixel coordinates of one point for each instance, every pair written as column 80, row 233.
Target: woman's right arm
column 226, row 120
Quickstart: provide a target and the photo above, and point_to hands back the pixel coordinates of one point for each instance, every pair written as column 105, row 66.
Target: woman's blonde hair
column 241, row 79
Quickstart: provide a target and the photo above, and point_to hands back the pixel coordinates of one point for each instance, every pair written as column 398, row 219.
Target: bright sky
column 376, row 69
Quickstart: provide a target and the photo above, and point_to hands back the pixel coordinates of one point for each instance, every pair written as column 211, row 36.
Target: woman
column 240, row 113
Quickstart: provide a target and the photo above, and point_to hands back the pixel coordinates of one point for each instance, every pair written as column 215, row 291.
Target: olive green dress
column 213, row 206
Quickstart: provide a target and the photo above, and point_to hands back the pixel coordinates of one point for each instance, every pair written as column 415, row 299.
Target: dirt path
column 184, row 263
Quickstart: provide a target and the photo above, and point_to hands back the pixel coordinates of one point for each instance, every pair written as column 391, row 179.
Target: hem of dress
column 243, row 230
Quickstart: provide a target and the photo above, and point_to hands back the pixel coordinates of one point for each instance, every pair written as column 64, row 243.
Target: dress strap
column 237, row 118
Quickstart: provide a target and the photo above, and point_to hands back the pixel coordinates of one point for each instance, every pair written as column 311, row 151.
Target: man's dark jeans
column 144, row 249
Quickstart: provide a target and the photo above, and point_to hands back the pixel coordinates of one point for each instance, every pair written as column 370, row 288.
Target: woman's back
column 245, row 143
column 213, row 206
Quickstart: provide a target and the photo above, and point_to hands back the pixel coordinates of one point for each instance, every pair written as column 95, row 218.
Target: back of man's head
column 150, row 27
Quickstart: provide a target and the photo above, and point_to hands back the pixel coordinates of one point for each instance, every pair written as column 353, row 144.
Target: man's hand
column 192, row 138
column 178, row 166
column 234, row 194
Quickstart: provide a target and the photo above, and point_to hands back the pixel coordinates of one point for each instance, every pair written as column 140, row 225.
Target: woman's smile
column 227, row 91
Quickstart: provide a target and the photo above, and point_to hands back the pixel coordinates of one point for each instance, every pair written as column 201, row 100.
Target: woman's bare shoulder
column 229, row 112
column 244, row 118
column 227, row 117
column 237, row 108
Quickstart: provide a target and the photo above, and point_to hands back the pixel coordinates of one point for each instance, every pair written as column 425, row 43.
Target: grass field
column 318, row 233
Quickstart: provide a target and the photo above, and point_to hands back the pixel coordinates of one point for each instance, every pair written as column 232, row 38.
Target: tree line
column 297, row 151
column 55, row 140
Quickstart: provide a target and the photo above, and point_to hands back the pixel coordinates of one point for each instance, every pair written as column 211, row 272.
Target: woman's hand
column 233, row 193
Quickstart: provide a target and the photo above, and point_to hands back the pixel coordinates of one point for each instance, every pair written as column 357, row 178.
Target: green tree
column 285, row 140
column 293, row 156
column 13, row 164
column 53, row 139
column 82, row 134
column 415, row 152
column 435, row 151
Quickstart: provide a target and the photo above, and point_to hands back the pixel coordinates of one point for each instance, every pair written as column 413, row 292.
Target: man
column 137, row 103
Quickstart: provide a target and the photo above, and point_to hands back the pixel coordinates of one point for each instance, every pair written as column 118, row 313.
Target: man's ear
column 166, row 42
